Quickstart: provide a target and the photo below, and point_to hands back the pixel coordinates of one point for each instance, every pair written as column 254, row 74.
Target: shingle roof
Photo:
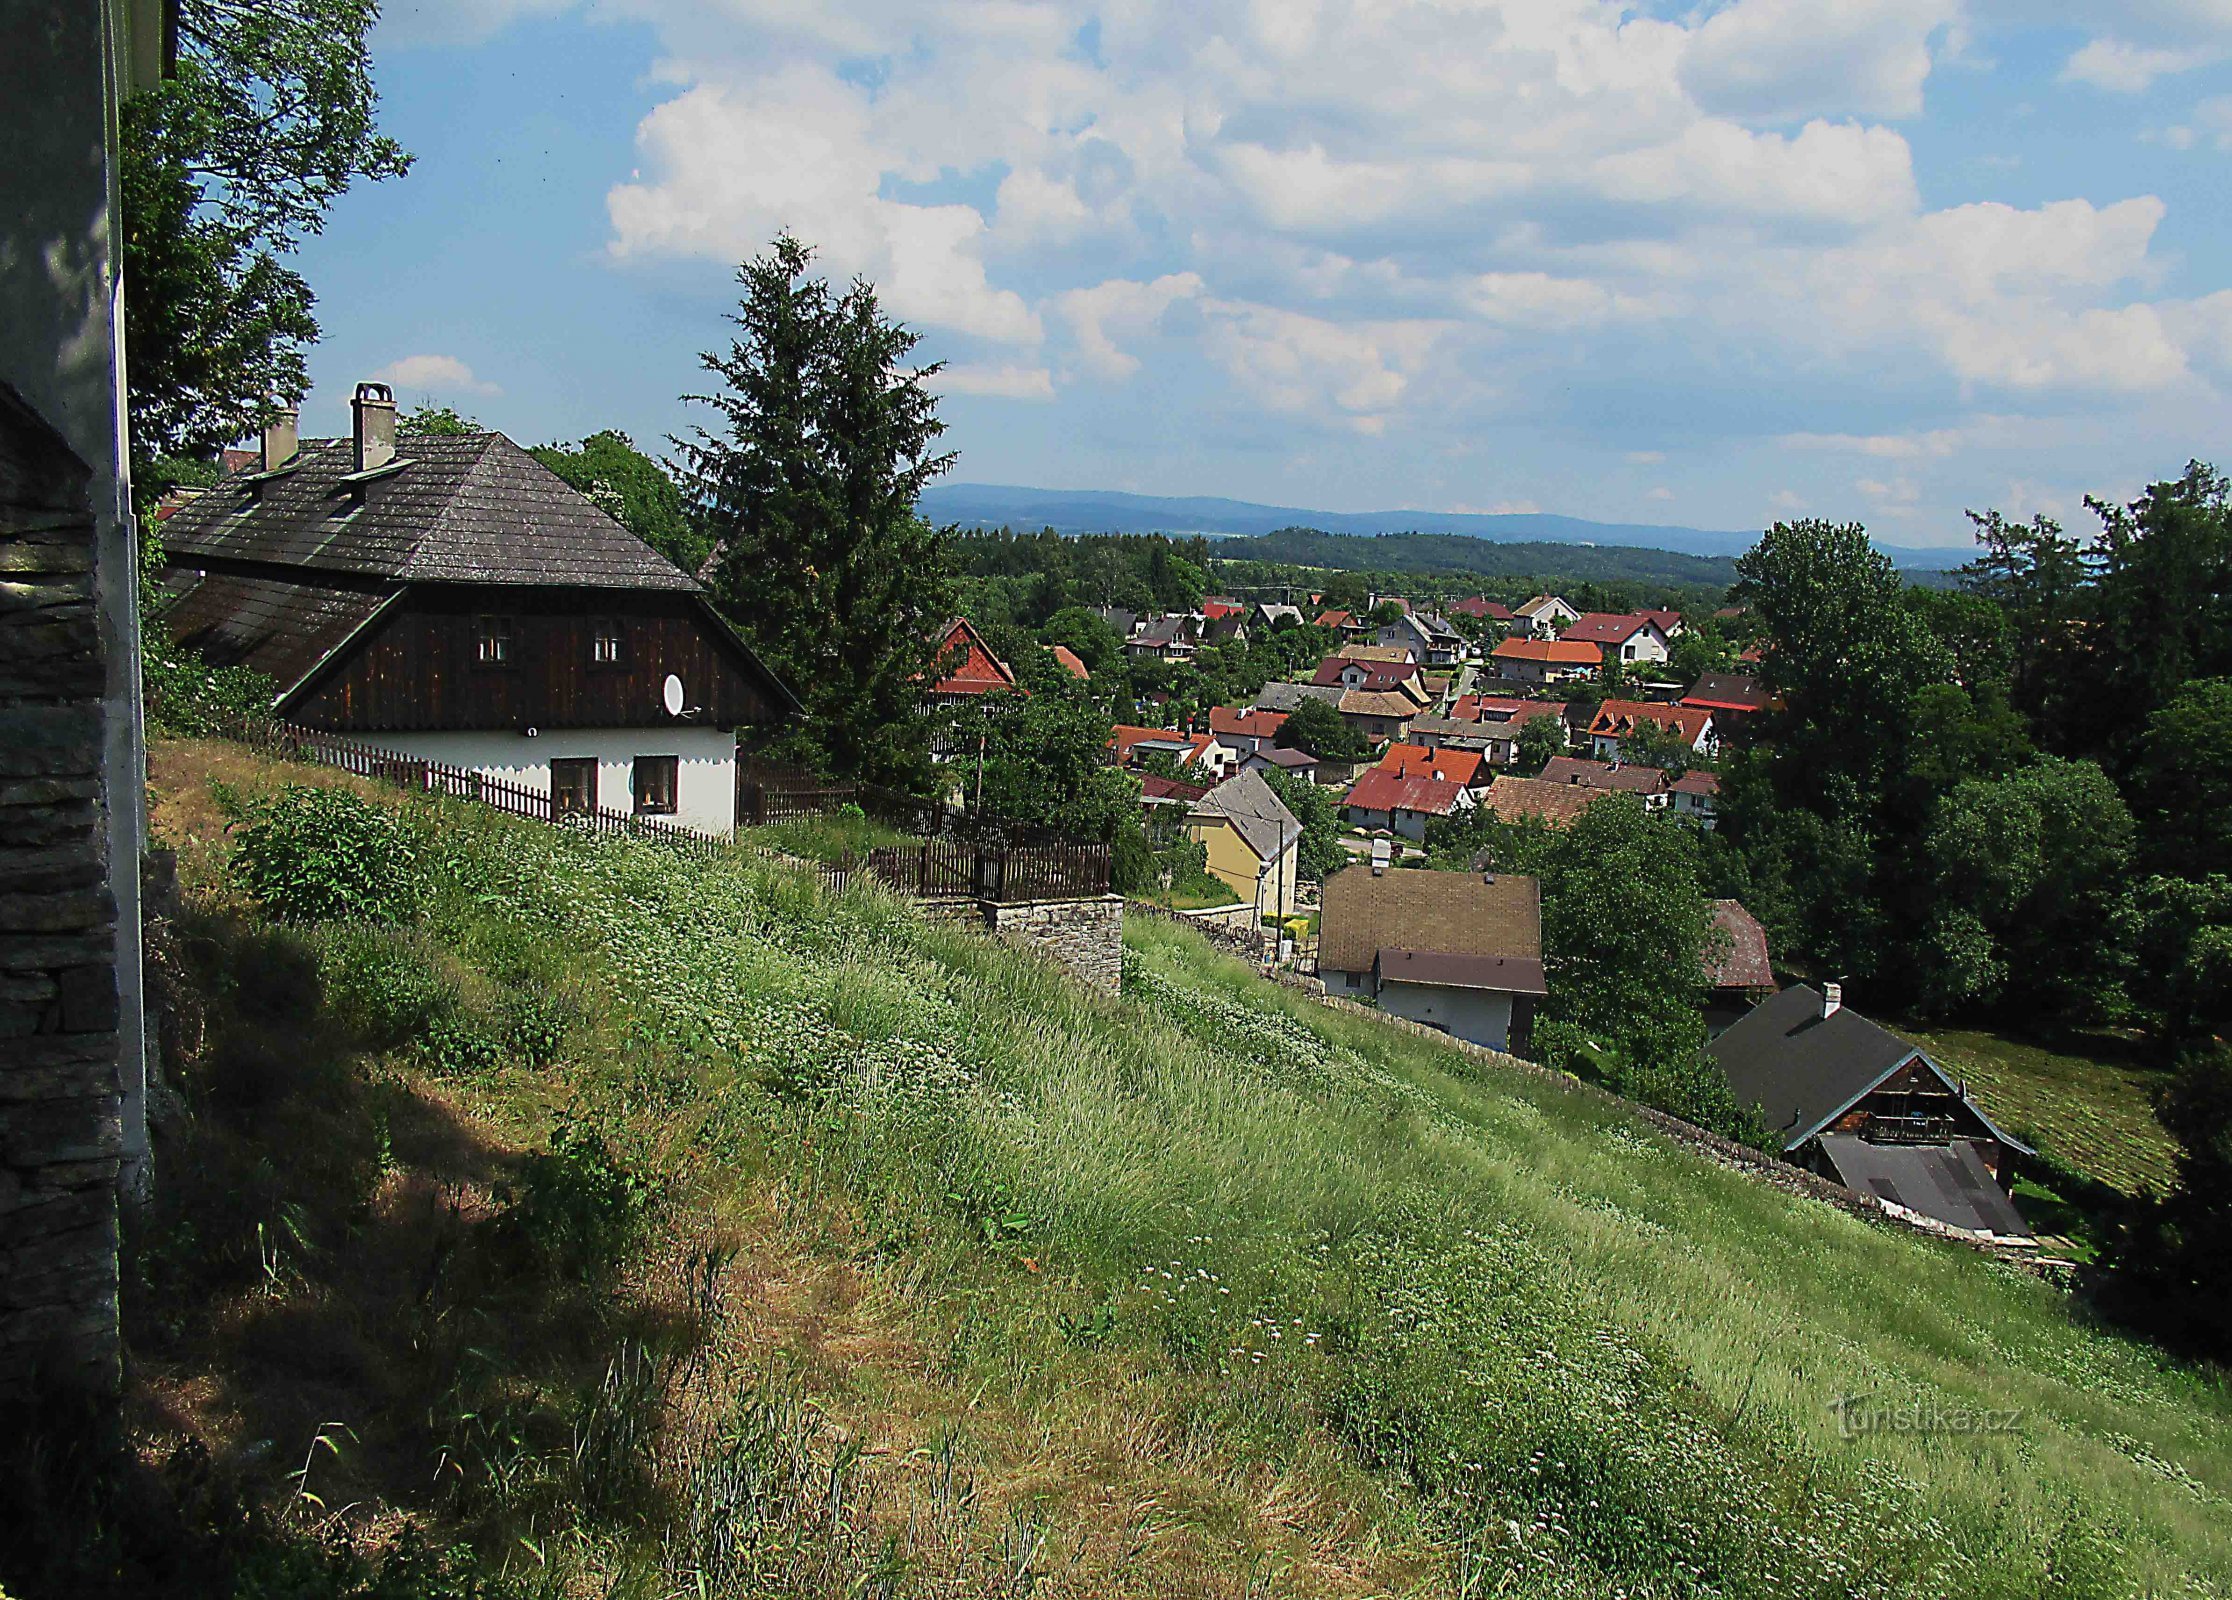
column 1498, row 974
column 1742, row 962
column 1373, row 674
column 1515, row 799
column 282, row 630
column 474, row 508
column 1255, row 812
column 1800, row 1067
column 1727, row 691
column 1503, row 708
column 1452, row 732
column 1381, row 790
column 1604, row 775
column 1284, row 757
column 1604, row 627
column 1286, row 696
column 1450, row 913
column 1947, row 1182
column 1373, row 703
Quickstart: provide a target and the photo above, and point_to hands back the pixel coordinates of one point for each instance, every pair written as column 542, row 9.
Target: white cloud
column 436, row 375
column 1796, row 58
column 734, row 169
column 1934, row 445
column 1005, row 382
column 1662, row 492
column 1120, row 307
column 1645, row 458
column 2123, row 68
column 2211, row 124
column 1357, row 372
column 1327, row 199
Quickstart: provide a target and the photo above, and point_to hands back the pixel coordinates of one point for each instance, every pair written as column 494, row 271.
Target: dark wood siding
column 418, row 669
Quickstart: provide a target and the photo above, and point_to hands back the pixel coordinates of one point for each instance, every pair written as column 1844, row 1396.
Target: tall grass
column 1291, row 1253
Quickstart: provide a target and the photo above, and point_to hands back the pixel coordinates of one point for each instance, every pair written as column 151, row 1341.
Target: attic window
column 604, row 641
column 493, row 645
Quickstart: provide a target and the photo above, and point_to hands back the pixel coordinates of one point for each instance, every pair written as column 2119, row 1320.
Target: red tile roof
column 1743, row 964
column 1334, row 619
column 1617, row 718
column 1381, row 790
column 1152, row 787
column 1604, row 775
column 1487, row 610
column 1550, row 652
column 1502, row 708
column 1067, row 659
column 1125, row 737
column 1247, row 724
column 1214, row 609
column 1410, row 760
column 1604, row 627
column 1667, row 621
column 975, row 670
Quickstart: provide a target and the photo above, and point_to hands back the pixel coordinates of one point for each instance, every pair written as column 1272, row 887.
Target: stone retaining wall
column 61, row 1138
column 1086, row 936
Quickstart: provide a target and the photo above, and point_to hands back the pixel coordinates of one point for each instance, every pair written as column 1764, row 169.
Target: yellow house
column 1251, row 841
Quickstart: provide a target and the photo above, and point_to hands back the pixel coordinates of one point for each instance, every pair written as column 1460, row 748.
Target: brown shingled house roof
column 1517, row 799
column 1434, row 927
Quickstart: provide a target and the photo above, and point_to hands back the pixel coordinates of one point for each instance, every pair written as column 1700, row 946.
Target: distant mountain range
column 992, row 505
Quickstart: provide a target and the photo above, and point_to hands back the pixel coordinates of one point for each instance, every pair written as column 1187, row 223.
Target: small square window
column 657, row 779
column 573, row 786
column 604, row 642
column 493, row 641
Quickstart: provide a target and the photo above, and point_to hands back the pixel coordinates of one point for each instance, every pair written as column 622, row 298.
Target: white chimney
column 374, row 408
column 1832, row 999
column 282, row 440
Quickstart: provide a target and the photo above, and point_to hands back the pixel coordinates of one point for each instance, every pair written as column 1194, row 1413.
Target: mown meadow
column 627, row 1224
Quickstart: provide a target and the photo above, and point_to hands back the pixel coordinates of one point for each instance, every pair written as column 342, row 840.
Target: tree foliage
column 1317, row 727
column 226, row 167
column 638, row 492
column 1044, row 764
column 1318, row 853
column 825, row 441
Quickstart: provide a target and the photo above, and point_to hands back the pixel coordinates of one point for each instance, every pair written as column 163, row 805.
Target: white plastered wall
column 705, row 796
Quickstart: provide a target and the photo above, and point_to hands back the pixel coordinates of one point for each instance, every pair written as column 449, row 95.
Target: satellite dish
column 672, row 695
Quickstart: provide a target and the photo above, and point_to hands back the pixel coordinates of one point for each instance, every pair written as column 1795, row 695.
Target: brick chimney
column 283, row 439
column 374, row 409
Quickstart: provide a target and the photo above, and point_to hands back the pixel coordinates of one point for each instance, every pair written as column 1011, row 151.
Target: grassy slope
column 1225, row 1292
column 2093, row 1114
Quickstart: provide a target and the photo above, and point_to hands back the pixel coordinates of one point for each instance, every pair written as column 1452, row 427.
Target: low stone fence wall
column 1754, row 1164
column 1245, row 941
column 1085, row 935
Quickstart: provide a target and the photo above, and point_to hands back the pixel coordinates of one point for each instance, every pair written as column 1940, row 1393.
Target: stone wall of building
column 1086, row 936
column 61, row 1137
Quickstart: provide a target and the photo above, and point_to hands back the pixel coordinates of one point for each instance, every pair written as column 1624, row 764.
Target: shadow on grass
column 343, row 1295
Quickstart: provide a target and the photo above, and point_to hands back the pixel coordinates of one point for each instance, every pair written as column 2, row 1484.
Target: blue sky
column 1705, row 264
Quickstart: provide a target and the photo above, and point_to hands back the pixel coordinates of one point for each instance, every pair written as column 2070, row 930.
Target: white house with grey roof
column 450, row 598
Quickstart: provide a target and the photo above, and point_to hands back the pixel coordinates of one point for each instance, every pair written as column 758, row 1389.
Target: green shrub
column 458, row 1046
column 384, row 985
column 577, row 1203
column 535, row 1028
column 319, row 855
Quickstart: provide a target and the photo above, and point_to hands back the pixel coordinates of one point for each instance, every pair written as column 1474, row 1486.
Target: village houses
column 1459, row 952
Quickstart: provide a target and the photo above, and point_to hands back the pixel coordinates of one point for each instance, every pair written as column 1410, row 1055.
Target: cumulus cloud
column 434, row 374
column 1120, row 308
column 1327, row 200
column 1798, row 58
column 1005, row 382
column 2123, row 68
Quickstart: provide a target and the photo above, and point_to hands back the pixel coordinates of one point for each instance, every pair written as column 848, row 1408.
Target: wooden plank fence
column 940, row 868
column 422, row 776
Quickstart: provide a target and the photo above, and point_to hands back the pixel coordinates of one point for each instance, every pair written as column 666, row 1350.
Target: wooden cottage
column 457, row 601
